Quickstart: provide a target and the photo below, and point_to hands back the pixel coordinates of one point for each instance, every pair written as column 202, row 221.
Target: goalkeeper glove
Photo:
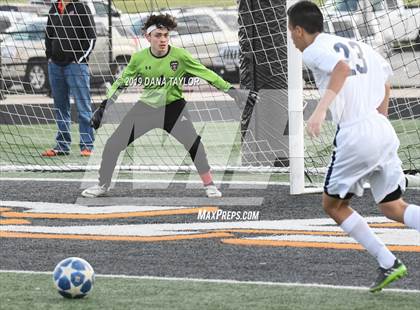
column 96, row 119
column 243, row 97
column 246, row 101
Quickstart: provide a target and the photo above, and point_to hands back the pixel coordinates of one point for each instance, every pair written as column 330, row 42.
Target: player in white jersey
column 353, row 81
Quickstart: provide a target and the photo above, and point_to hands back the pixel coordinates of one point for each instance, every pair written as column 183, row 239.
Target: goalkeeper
column 161, row 70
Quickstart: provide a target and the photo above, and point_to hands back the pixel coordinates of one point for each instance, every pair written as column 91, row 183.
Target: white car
column 382, row 22
column 100, row 8
column 24, row 8
column 24, row 63
column 201, row 31
column 97, row 7
column 227, row 63
column 135, row 21
column 204, row 31
column 12, row 18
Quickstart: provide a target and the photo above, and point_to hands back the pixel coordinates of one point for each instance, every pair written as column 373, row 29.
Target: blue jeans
column 65, row 80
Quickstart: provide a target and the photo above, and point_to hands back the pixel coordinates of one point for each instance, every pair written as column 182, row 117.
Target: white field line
column 144, row 181
column 221, row 281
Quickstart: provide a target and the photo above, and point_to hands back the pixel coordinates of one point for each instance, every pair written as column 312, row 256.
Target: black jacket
column 70, row 37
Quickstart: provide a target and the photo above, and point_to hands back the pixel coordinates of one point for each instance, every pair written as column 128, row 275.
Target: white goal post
column 296, row 123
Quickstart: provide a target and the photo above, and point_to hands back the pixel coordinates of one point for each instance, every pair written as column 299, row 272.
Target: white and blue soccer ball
column 74, row 277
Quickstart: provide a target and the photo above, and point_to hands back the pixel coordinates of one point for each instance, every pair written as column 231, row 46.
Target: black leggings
column 173, row 118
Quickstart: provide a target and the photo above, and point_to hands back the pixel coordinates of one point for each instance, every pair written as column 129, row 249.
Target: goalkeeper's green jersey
column 163, row 77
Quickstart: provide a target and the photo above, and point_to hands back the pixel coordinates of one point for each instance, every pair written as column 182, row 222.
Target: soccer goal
column 246, row 43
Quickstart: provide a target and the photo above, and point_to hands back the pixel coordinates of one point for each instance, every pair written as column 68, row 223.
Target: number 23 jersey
column 364, row 88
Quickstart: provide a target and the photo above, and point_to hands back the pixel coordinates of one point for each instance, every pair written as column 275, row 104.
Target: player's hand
column 96, row 119
column 314, row 123
column 243, row 97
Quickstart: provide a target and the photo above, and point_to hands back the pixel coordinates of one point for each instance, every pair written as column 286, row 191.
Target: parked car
column 201, row 31
column 40, row 2
column 100, row 8
column 134, row 22
column 227, row 63
column 137, row 25
column 23, row 55
column 387, row 21
column 11, row 18
column 25, row 8
column 124, row 44
column 97, row 7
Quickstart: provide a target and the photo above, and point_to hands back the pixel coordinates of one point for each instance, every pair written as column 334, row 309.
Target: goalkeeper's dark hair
column 161, row 21
column 307, row 15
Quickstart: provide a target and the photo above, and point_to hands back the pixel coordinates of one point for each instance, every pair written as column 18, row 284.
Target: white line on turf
column 223, row 281
column 145, row 181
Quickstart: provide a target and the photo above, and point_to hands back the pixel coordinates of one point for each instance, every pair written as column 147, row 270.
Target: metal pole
column 2, row 97
column 110, row 56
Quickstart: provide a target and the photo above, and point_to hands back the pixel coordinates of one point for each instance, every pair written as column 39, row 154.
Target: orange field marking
column 14, row 222
column 285, row 232
column 388, row 225
column 76, row 216
column 4, row 209
column 225, row 235
column 323, row 245
column 113, row 238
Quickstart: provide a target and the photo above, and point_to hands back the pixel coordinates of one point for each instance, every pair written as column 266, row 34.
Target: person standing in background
column 69, row 40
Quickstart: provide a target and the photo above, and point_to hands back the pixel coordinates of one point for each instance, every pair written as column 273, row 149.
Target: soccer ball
column 73, row 277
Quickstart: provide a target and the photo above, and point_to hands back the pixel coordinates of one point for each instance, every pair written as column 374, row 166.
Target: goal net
column 28, row 116
column 392, row 28
column 246, row 43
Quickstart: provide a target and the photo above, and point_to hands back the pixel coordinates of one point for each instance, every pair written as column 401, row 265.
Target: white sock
column 412, row 217
column 357, row 227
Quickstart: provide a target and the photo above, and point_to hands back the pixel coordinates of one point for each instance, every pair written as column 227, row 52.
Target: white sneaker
column 212, row 191
column 95, row 191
